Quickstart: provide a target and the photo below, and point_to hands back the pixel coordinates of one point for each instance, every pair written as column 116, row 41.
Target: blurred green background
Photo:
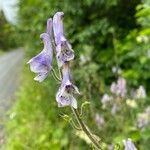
column 106, row 36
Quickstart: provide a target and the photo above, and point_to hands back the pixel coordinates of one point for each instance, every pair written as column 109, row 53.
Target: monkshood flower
column 143, row 119
column 113, row 88
column 64, row 96
column 99, row 120
column 119, row 88
column 64, row 51
column 140, row 92
column 121, row 85
column 105, row 100
column 114, row 109
column 41, row 64
column 129, row 145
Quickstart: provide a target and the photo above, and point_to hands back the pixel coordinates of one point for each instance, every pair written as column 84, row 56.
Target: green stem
column 84, row 128
column 55, row 75
column 74, row 125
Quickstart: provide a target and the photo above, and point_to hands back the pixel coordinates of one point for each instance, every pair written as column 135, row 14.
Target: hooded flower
column 140, row 92
column 114, row 109
column 143, row 119
column 99, row 120
column 105, row 100
column 41, row 64
column 129, row 145
column 64, row 96
column 119, row 88
column 64, row 52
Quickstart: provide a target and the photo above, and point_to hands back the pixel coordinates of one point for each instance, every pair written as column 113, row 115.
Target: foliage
column 9, row 36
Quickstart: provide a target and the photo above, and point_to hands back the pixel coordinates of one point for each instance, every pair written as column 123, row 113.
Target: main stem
column 84, row 128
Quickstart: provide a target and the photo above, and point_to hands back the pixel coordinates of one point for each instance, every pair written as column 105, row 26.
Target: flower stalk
column 86, row 130
column 55, row 75
column 55, row 42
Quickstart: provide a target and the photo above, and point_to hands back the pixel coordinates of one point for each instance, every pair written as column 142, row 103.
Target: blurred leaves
column 8, row 34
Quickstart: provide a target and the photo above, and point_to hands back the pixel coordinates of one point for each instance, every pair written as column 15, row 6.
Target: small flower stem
column 74, row 125
column 55, row 75
column 86, row 131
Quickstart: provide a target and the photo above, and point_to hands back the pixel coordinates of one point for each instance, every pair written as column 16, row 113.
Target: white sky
column 10, row 9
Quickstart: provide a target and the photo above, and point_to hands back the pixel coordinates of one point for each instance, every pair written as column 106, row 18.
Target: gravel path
column 10, row 66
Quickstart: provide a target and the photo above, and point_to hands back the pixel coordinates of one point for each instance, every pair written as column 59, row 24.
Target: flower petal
column 49, row 26
column 74, row 102
column 129, row 145
column 58, row 27
column 40, row 77
column 40, row 63
column 63, row 100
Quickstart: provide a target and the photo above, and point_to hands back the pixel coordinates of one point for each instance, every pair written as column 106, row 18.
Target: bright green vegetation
column 104, row 35
column 35, row 121
column 8, row 35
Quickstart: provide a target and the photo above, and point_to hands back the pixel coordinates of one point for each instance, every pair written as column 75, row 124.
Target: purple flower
column 121, row 83
column 114, row 109
column 41, row 64
column 119, row 88
column 64, row 96
column 64, row 51
column 105, row 100
column 140, row 92
column 143, row 119
column 99, row 119
column 129, row 145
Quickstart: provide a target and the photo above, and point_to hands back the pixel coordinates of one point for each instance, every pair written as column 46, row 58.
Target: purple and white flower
column 143, row 119
column 129, row 145
column 41, row 64
column 119, row 88
column 64, row 51
column 99, row 120
column 140, row 92
column 114, row 109
column 64, row 96
column 105, row 100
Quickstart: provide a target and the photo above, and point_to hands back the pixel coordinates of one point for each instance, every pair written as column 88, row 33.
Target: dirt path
column 10, row 67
